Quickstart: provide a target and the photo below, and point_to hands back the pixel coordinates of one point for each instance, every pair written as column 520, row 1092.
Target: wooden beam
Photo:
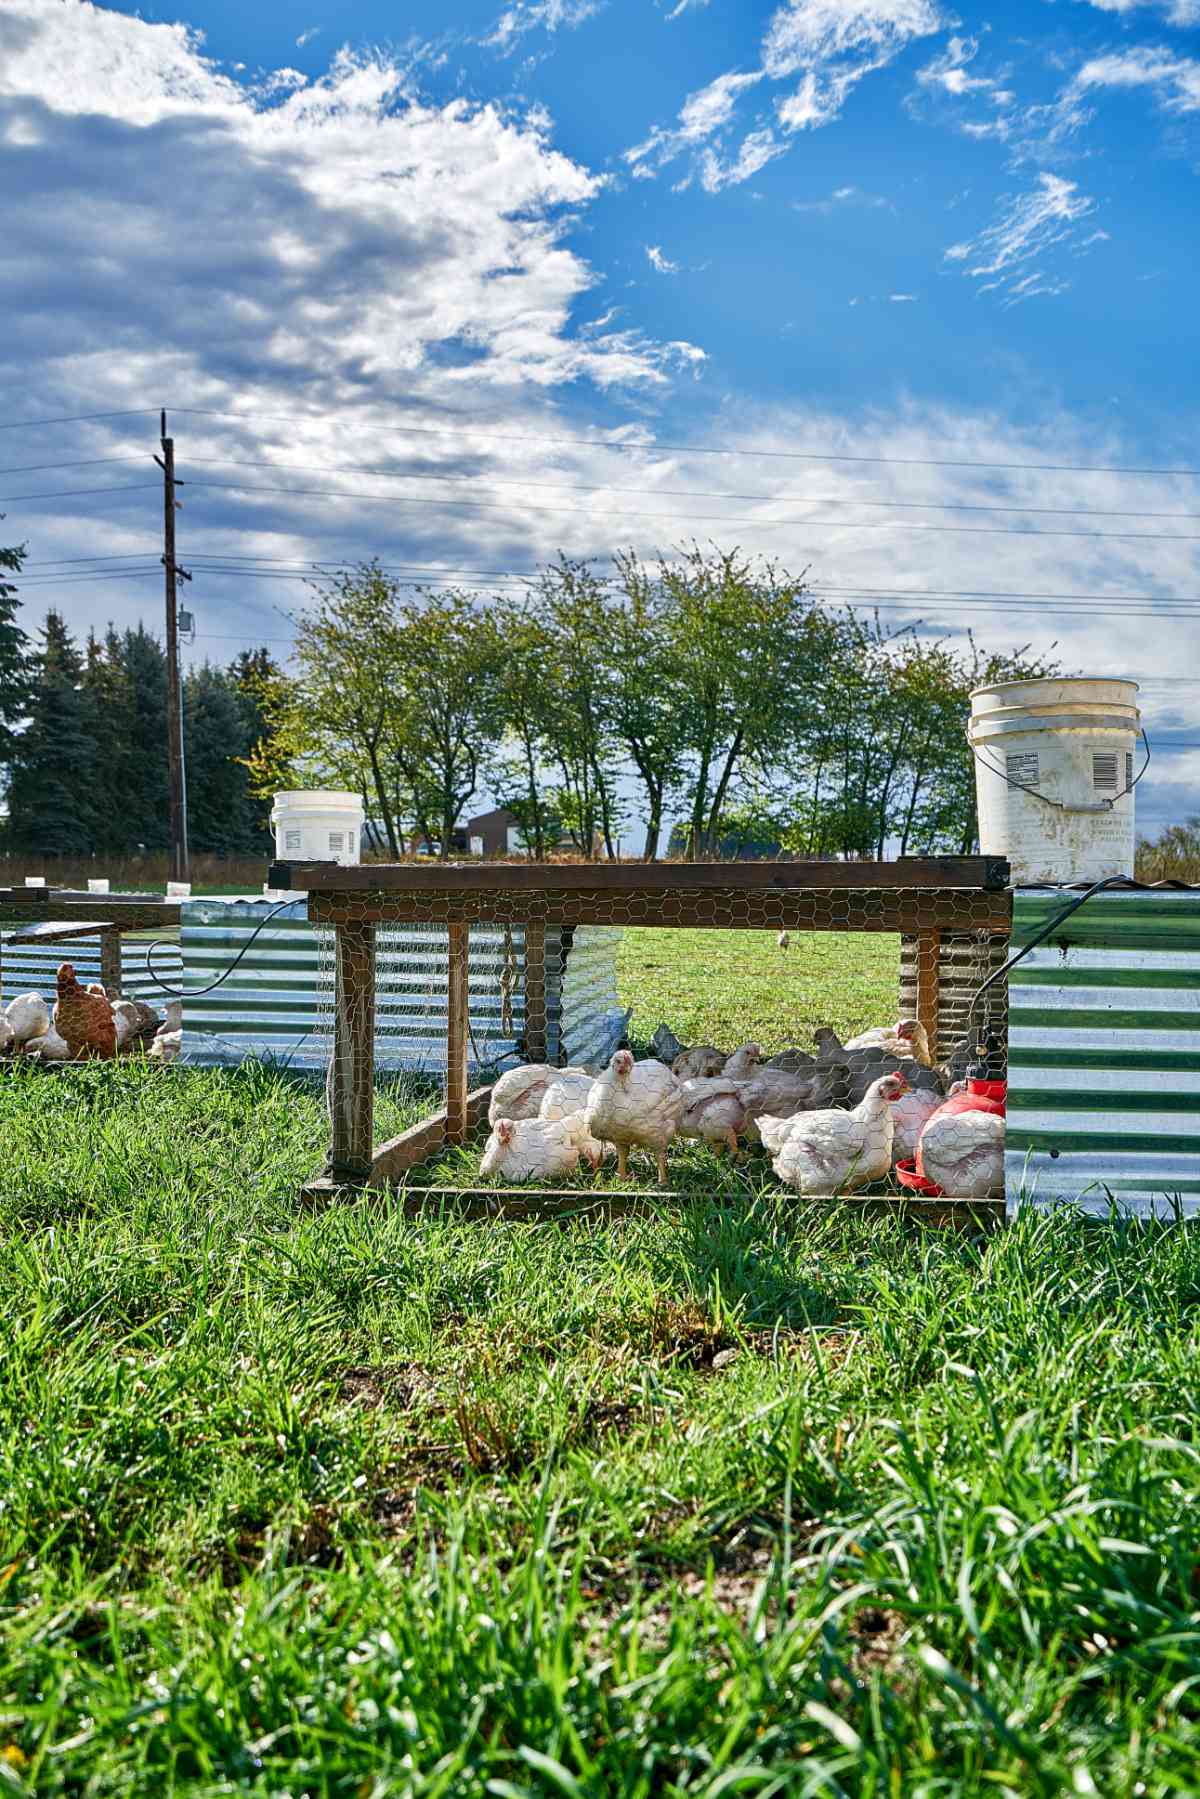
column 352, row 1070
column 981, row 873
column 111, row 973
column 565, row 1204
column 536, row 1034
column 391, row 1160
column 458, row 1001
column 929, row 953
column 735, row 909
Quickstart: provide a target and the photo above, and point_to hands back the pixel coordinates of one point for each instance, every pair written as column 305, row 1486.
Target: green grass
column 725, row 1499
column 731, row 987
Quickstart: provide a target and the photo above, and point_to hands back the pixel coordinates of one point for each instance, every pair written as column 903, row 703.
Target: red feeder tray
column 906, row 1174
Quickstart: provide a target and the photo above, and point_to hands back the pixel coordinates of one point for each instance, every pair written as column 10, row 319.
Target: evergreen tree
column 147, row 794
column 109, row 697
column 52, row 809
column 14, row 666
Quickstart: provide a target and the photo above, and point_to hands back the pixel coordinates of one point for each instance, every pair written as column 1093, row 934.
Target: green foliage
column 89, row 772
column 52, row 806
column 14, row 664
column 1174, row 855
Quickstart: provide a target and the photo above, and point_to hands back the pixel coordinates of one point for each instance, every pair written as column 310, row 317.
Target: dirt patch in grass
column 684, row 1334
column 399, row 1385
column 877, row 1634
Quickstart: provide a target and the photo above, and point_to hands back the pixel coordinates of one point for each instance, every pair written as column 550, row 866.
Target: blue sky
column 456, row 245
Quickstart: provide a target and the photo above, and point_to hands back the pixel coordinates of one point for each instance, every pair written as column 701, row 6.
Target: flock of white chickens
column 85, row 1023
column 832, row 1121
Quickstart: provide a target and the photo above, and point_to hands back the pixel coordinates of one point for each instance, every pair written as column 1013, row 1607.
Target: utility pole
column 173, row 576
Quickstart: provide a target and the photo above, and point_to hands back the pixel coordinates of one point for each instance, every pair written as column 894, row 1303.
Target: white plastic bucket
column 1054, row 773
column 318, row 827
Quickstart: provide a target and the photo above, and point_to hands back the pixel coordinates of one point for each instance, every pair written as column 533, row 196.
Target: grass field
column 753, row 1500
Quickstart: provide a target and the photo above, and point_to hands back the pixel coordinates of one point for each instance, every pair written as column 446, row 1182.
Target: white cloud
column 1030, row 226
column 534, row 15
column 1174, row 81
column 948, row 71
column 306, row 37
column 841, row 196
column 901, row 299
column 829, row 44
column 683, row 6
column 756, row 150
column 661, row 263
column 703, row 113
column 1183, row 13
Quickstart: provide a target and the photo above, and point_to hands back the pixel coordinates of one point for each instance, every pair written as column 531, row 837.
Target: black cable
column 661, row 493
column 623, row 443
column 712, row 518
column 198, row 992
column 1047, row 930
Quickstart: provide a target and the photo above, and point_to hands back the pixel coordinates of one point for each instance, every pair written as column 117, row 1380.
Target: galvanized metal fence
column 1104, row 1053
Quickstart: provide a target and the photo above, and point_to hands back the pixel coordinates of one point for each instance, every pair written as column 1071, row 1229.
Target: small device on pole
column 173, row 576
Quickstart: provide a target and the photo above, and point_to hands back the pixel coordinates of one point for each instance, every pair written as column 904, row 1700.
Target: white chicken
column 635, row 1104
column 909, row 1116
column 173, row 1016
column 166, row 1046
column 714, row 1111
column 7, row 1039
column 524, row 1149
column 907, row 1037
column 567, row 1094
column 519, row 1092
column 50, row 1047
column 133, row 1019
column 743, row 1062
column 963, row 1154
column 27, row 1017
column 834, row 1152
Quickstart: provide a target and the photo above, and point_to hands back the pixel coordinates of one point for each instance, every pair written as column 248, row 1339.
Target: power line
column 620, row 443
column 765, row 524
column 70, row 493
column 675, row 493
column 78, row 418
column 32, row 468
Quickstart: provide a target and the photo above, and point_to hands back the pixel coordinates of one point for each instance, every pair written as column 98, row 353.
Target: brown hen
column 84, row 1020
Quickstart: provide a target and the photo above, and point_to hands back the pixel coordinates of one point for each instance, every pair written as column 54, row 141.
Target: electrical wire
column 71, row 493
column 674, row 493
column 78, row 418
column 32, row 468
column 766, row 524
column 198, row 992
column 620, row 443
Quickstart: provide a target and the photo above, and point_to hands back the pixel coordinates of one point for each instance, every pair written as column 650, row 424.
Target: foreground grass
column 751, row 1500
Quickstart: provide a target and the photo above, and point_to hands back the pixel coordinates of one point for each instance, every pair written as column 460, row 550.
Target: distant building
column 494, row 833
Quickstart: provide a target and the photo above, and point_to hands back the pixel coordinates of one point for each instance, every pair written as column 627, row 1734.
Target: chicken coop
column 103, row 935
column 953, row 916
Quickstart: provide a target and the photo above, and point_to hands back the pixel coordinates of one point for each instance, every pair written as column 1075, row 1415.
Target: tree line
column 83, row 741
column 713, row 684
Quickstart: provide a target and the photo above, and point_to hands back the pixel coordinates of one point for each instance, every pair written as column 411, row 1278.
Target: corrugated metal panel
column 31, row 967
column 278, row 1002
column 1104, row 1052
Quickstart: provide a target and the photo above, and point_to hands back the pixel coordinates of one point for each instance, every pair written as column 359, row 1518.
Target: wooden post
column 458, row 1000
column 352, row 1070
column 535, row 993
column 929, row 951
column 110, row 961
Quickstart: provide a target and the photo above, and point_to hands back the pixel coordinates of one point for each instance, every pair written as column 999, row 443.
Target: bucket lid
column 1102, row 686
column 318, row 799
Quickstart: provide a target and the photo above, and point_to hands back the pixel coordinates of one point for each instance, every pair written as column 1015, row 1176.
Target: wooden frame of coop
column 62, row 915
column 924, row 899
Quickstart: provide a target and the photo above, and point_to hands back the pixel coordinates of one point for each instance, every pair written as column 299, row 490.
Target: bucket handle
column 1060, row 805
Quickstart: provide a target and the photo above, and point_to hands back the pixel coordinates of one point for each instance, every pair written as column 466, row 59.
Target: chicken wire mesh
column 489, row 967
